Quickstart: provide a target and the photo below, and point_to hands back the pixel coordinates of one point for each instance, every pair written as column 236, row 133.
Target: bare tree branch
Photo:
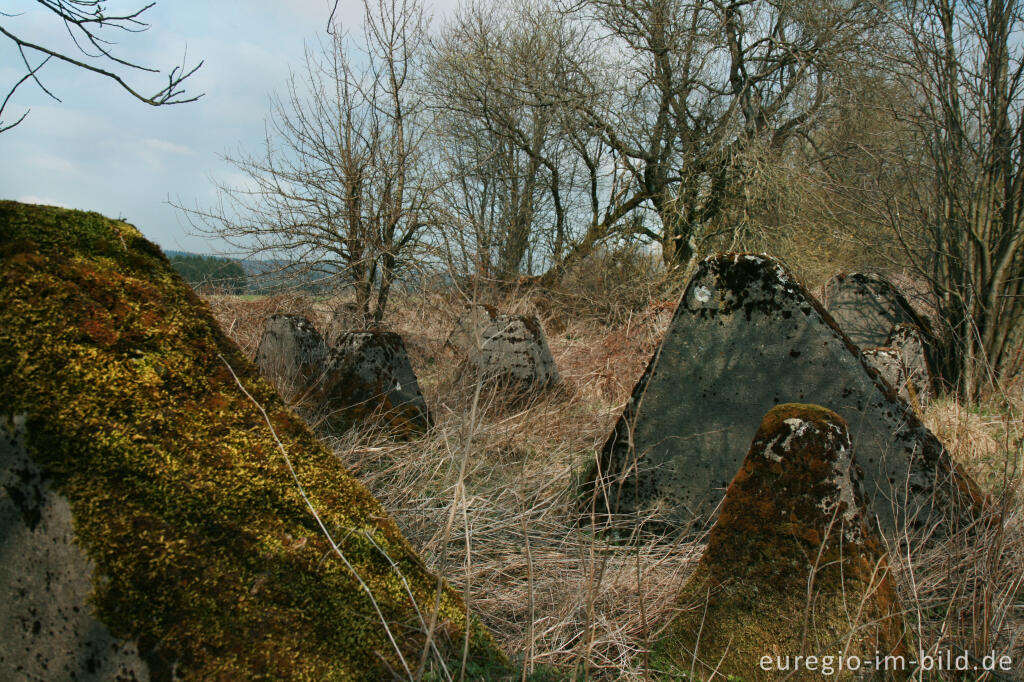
column 85, row 22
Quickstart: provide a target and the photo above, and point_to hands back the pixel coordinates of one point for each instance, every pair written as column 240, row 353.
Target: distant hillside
column 217, row 274
column 210, row 273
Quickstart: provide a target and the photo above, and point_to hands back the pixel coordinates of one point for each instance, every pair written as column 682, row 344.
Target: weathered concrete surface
column 744, row 338
column 470, row 326
column 867, row 306
column 793, row 521
column 510, row 349
column 889, row 365
column 49, row 630
column 203, row 545
column 291, row 354
column 368, row 375
column 913, row 349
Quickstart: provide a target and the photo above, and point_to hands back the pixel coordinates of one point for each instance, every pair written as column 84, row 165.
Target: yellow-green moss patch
column 205, row 551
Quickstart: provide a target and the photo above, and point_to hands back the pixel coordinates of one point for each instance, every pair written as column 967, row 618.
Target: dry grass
column 547, row 588
column 551, row 591
column 488, row 499
column 966, row 593
column 987, row 440
column 243, row 318
column 488, row 496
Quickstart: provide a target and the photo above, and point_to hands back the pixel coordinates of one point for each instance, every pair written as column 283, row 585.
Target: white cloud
column 167, row 147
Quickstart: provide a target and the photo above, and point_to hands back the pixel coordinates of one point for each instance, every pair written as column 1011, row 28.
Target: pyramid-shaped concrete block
column 507, row 349
column 164, row 514
column 291, row 354
column 866, row 306
column 368, row 376
column 744, row 338
column 365, row 376
column 792, row 568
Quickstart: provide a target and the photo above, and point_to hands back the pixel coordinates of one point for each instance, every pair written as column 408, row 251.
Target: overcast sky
column 100, row 149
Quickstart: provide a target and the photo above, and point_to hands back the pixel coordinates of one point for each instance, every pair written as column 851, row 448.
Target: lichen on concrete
column 791, row 568
column 887, row 362
column 509, row 350
column 203, row 550
column 913, row 347
column 745, row 337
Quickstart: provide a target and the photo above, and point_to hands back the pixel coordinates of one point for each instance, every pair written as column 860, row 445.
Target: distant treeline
column 211, row 273
column 216, row 274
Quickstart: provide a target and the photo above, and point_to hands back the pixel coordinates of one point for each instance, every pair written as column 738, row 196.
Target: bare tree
column 341, row 192
column 516, row 161
column 689, row 88
column 960, row 212
column 90, row 26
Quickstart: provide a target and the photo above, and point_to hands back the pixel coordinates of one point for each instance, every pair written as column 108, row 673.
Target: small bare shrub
column 611, row 285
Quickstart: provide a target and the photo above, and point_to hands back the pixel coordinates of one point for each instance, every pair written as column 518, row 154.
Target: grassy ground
column 487, row 497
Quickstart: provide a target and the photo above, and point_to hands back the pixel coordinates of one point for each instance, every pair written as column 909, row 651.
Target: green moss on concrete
column 205, row 552
column 794, row 510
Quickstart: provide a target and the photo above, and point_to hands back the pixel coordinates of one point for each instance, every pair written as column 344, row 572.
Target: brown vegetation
column 488, row 497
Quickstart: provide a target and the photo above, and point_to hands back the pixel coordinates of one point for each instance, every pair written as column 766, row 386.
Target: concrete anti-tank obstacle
column 45, row 582
column 506, row 349
column 470, row 326
column 866, row 306
column 912, row 386
column 874, row 314
column 291, row 354
column 368, row 375
column 890, row 367
column 792, row 567
column 744, row 338
column 913, row 347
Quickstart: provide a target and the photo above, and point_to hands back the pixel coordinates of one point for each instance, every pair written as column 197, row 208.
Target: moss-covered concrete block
column 745, row 337
column 189, row 524
column 792, row 570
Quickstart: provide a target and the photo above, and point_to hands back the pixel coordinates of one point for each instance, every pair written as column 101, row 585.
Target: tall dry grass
column 488, row 498
column 966, row 593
